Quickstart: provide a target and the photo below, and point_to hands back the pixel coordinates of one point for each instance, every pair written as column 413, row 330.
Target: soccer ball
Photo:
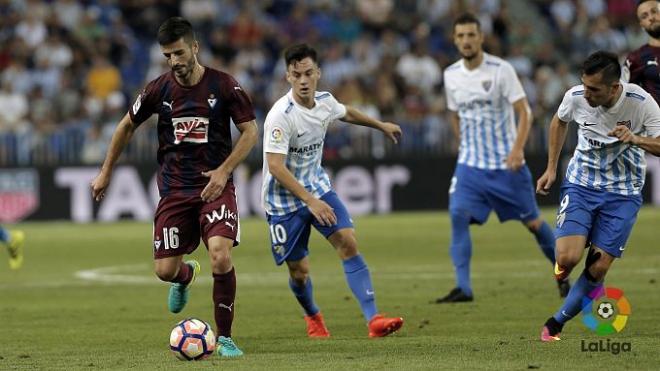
column 605, row 310
column 192, row 339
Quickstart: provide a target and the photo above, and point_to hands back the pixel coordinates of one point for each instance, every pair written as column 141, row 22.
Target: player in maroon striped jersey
column 194, row 105
column 641, row 66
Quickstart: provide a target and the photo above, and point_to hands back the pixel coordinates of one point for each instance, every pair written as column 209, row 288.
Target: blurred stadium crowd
column 69, row 69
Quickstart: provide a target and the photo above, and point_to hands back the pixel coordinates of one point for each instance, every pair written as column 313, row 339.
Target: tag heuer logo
column 19, row 194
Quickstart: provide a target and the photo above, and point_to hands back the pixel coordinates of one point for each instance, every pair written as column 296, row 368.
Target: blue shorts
column 476, row 192
column 289, row 234
column 605, row 218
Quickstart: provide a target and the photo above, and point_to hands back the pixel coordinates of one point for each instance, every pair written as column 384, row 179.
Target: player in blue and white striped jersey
column 601, row 193
column 484, row 96
column 297, row 193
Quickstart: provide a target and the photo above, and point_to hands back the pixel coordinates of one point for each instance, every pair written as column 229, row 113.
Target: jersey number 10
column 277, row 234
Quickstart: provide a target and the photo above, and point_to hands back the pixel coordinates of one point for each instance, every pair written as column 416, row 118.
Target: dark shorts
column 181, row 220
column 509, row 193
column 289, row 234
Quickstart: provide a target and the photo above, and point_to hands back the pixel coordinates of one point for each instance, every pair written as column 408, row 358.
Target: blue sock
column 573, row 302
column 4, row 235
column 359, row 280
column 461, row 250
column 546, row 240
column 304, row 296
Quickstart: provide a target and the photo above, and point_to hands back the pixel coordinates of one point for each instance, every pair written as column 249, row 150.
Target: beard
column 468, row 56
column 654, row 32
column 184, row 71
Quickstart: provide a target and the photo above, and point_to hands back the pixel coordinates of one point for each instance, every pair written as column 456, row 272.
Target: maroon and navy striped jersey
column 642, row 68
column 194, row 133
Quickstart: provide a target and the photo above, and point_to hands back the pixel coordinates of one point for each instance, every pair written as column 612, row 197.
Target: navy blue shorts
column 509, row 193
column 605, row 218
column 289, row 234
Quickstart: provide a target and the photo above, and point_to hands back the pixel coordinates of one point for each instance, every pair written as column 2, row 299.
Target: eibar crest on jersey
column 193, row 137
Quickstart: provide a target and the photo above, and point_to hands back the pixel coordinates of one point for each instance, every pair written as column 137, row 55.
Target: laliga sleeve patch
column 276, row 135
column 137, row 104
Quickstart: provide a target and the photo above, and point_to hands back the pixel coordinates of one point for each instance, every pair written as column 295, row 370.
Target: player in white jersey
column 483, row 97
column 601, row 193
column 297, row 193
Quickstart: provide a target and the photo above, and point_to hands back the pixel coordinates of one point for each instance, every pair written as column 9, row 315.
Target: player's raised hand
column 545, row 182
column 217, row 181
column 323, row 213
column 99, row 184
column 515, row 159
column 392, row 131
column 624, row 134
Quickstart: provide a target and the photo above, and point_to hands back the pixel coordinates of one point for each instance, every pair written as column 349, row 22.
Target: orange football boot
column 316, row 327
column 380, row 326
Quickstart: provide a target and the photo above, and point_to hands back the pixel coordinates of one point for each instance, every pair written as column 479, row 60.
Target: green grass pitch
column 87, row 299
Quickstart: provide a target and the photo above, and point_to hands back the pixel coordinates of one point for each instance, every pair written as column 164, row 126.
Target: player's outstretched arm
column 122, row 135
column 516, row 157
column 321, row 210
column 356, row 117
column 218, row 177
column 557, row 137
column 649, row 144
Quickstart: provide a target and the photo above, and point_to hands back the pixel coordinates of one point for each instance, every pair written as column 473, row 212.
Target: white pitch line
column 120, row 274
column 116, row 274
column 131, row 275
column 113, row 274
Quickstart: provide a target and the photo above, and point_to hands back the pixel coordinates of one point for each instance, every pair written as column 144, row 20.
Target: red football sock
column 224, row 293
column 185, row 274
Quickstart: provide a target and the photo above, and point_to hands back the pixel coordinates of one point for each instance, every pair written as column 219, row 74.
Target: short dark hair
column 603, row 62
column 467, row 18
column 298, row 52
column 175, row 28
column 640, row 2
